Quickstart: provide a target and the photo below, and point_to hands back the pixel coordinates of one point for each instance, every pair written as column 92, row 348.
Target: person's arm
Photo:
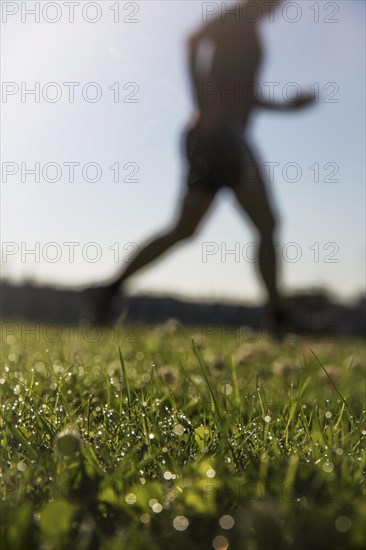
column 208, row 31
column 192, row 51
column 304, row 101
column 192, row 45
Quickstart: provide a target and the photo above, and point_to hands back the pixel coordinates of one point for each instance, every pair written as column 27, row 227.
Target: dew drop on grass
column 328, row 467
column 220, row 543
column 227, row 389
column 157, row 508
column 226, row 522
column 343, row 524
column 180, row 523
column 178, row 429
column 131, row 498
column 267, row 418
column 210, row 473
column 21, row 466
column 145, row 518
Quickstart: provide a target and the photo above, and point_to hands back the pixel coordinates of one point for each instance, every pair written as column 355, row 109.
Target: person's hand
column 304, row 101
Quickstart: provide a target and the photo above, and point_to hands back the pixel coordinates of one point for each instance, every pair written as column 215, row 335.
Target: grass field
column 228, row 442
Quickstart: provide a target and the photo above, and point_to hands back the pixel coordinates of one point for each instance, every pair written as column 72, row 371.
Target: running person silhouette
column 225, row 55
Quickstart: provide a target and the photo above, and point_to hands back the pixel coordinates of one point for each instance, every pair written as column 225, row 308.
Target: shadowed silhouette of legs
column 194, row 206
column 101, row 300
column 252, row 197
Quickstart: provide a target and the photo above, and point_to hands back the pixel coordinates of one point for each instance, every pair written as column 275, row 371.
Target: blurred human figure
column 224, row 57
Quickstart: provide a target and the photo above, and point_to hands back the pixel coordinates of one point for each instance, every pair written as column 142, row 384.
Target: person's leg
column 102, row 307
column 194, row 205
column 252, row 197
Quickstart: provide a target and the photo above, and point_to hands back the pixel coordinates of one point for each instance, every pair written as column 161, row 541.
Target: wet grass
column 176, row 438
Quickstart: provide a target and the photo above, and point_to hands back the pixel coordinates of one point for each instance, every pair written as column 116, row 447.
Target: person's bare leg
column 194, row 206
column 252, row 197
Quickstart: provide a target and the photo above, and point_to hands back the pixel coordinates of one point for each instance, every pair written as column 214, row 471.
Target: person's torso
column 228, row 58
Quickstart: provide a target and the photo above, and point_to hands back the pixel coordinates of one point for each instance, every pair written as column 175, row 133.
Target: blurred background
column 321, row 207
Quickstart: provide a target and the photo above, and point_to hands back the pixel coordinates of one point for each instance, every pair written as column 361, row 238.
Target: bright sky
column 325, row 219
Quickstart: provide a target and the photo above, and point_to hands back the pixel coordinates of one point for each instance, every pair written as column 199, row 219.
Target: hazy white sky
column 151, row 53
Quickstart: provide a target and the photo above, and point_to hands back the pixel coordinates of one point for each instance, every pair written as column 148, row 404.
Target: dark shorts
column 216, row 158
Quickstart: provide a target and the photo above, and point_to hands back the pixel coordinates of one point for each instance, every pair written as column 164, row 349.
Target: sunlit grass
column 211, row 443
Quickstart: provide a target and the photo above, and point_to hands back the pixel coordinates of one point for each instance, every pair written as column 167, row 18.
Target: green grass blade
column 123, row 366
column 206, row 376
column 333, row 384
